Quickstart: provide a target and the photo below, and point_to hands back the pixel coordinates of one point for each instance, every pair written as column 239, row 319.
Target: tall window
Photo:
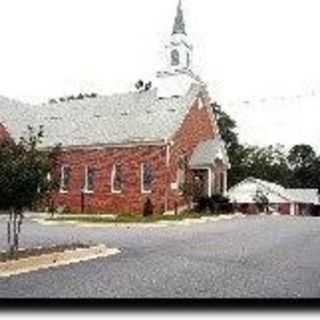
column 146, row 177
column 117, row 179
column 65, row 179
column 175, row 57
column 182, row 172
column 89, row 179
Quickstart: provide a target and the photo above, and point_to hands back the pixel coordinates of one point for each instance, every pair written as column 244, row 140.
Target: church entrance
column 200, row 183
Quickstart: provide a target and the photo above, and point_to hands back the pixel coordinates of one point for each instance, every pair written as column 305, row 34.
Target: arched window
column 175, row 57
column 146, row 177
column 65, row 179
column 89, row 179
column 117, row 178
column 182, row 172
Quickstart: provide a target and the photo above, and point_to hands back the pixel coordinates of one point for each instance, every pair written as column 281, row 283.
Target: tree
column 236, row 152
column 142, row 86
column 298, row 169
column 301, row 156
column 139, row 85
column 268, row 163
column 262, row 201
column 227, row 127
column 304, row 167
column 24, row 179
column 316, row 173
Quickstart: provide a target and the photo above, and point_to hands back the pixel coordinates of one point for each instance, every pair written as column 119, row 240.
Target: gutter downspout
column 209, row 182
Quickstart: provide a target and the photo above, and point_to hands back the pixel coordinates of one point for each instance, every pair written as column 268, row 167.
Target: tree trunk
column 13, row 230
column 9, row 224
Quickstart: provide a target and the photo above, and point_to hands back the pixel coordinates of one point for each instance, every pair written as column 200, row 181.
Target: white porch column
column 210, row 182
column 292, row 209
column 225, row 183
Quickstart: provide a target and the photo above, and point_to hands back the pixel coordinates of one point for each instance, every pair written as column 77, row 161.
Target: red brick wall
column 284, row 208
column 197, row 127
column 103, row 200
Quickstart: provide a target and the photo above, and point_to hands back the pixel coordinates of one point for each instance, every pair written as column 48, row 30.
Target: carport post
column 209, row 182
column 292, row 209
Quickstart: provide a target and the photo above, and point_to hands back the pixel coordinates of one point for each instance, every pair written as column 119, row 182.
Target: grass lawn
column 123, row 218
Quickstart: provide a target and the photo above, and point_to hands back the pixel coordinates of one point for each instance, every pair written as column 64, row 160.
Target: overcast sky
column 246, row 50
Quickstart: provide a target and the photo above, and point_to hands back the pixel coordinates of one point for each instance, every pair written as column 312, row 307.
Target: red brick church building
column 121, row 150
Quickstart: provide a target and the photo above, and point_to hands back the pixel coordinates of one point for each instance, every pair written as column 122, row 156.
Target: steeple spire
column 179, row 24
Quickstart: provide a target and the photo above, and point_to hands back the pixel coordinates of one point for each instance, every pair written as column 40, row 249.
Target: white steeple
column 178, row 76
column 179, row 24
column 179, row 50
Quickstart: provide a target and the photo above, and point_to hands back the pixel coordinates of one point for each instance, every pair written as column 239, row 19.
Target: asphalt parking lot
column 253, row 257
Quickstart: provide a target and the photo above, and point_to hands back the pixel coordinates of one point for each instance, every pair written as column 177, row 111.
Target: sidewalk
column 27, row 215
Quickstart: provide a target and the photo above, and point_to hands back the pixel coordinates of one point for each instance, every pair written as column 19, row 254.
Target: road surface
column 253, row 257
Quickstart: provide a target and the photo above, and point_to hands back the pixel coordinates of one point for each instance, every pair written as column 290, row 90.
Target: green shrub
column 217, row 204
column 148, row 208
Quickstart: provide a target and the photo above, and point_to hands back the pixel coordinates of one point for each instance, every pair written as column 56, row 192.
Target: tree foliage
column 27, row 175
column 300, row 168
column 25, row 171
column 305, row 167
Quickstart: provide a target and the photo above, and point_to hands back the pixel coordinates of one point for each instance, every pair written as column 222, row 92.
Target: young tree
column 262, row 201
column 24, row 178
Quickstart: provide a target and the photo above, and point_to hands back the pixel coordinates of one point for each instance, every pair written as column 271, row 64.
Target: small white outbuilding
column 251, row 192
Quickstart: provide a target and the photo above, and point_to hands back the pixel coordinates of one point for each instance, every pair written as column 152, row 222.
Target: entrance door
column 200, row 183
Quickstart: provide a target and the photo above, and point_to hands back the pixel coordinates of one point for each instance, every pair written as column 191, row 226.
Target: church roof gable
column 118, row 119
column 208, row 152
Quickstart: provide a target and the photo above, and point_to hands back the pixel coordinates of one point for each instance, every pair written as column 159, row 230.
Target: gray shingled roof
column 304, row 195
column 117, row 119
column 208, row 152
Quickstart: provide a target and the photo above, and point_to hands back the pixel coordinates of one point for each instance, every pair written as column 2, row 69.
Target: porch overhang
column 208, row 153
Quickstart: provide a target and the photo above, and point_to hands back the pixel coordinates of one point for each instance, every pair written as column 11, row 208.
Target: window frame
column 64, row 188
column 113, row 176
column 142, row 178
column 86, row 189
